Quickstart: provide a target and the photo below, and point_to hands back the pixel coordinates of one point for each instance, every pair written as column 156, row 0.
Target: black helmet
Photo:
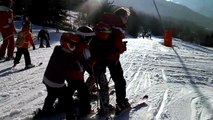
column 85, row 33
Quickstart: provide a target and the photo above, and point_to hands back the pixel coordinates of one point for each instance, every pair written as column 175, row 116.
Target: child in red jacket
column 66, row 63
column 24, row 39
column 75, row 76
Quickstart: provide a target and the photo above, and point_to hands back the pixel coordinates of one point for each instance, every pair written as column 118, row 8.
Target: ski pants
column 47, row 42
column 52, row 95
column 8, row 43
column 116, row 73
column 83, row 94
column 19, row 53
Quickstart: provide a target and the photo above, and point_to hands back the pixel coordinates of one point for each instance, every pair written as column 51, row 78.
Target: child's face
column 124, row 19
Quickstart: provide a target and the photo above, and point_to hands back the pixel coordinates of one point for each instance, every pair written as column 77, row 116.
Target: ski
column 139, row 103
column 38, row 115
column 23, row 69
column 2, row 60
column 5, row 60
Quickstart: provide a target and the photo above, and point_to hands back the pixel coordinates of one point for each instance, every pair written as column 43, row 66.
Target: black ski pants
column 52, row 95
column 116, row 73
column 19, row 53
column 83, row 95
column 47, row 42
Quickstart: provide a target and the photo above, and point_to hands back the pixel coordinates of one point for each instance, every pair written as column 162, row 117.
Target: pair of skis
column 22, row 69
column 139, row 103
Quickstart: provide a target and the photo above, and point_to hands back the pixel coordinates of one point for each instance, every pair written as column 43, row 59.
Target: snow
column 178, row 81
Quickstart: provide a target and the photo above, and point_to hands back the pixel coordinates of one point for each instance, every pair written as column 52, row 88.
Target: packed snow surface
column 178, row 81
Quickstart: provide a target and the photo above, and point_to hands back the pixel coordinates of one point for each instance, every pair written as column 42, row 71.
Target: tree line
column 55, row 13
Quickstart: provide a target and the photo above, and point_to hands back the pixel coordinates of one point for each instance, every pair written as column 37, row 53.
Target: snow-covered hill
column 177, row 79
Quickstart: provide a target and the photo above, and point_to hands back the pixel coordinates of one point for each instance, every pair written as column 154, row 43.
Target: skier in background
column 24, row 39
column 7, row 30
column 44, row 35
column 149, row 34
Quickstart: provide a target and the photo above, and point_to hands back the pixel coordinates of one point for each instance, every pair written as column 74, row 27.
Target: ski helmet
column 85, row 33
column 69, row 41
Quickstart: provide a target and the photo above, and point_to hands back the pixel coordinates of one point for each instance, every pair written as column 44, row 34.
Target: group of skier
column 92, row 50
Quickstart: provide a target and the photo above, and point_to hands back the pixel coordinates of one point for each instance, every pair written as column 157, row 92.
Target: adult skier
column 7, row 30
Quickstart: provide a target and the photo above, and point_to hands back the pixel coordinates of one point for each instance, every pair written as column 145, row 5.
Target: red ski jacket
column 58, row 67
column 116, row 45
column 64, row 65
column 82, row 55
column 6, row 20
column 24, row 39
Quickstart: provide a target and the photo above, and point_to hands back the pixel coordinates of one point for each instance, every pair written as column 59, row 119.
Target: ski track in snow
column 140, row 78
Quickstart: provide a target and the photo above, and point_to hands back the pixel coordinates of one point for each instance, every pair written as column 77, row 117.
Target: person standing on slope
column 112, row 55
column 108, row 55
column 99, row 45
column 23, row 42
column 44, row 35
column 7, row 30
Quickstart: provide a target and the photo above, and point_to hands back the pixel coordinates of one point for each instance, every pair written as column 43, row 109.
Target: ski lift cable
column 158, row 14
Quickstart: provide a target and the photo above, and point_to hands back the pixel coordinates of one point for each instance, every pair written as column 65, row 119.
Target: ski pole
column 109, row 79
column 7, row 37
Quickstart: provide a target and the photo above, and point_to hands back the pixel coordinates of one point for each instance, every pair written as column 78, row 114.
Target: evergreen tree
column 47, row 12
column 18, row 7
column 94, row 9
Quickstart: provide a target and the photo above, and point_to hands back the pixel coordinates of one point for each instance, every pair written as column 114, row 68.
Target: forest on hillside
column 54, row 13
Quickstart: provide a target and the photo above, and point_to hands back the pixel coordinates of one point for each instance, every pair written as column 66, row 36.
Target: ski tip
column 145, row 97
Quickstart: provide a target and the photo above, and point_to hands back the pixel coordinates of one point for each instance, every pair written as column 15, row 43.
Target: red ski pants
column 8, row 43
